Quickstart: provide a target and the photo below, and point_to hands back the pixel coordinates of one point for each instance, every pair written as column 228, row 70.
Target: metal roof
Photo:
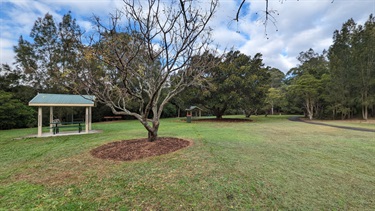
column 43, row 99
column 192, row 108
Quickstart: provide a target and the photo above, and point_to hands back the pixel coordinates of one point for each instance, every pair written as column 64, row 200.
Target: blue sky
column 301, row 24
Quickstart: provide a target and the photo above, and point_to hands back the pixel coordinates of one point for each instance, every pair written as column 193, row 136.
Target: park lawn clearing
column 269, row 163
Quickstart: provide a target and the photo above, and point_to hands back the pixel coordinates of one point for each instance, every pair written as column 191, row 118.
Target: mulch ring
column 128, row 150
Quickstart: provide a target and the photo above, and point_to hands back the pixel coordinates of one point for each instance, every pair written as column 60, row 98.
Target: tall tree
column 52, row 49
column 219, row 91
column 342, row 69
column 146, row 44
column 276, row 77
column 352, row 68
column 255, row 84
column 275, row 94
column 307, row 81
column 364, row 59
column 275, row 97
column 307, row 87
column 69, row 44
column 239, row 82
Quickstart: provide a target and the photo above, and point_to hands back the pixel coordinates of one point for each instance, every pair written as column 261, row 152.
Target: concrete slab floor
column 64, row 133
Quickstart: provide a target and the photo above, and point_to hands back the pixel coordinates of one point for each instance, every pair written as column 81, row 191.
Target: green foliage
column 238, row 82
column 169, row 111
column 343, row 86
column 352, row 69
column 276, row 77
column 307, row 83
column 11, row 81
column 54, row 49
column 275, row 98
column 13, row 113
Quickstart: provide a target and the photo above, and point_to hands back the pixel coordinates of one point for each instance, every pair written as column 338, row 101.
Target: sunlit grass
column 270, row 163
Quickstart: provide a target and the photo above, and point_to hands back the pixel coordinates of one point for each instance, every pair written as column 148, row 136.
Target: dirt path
column 297, row 119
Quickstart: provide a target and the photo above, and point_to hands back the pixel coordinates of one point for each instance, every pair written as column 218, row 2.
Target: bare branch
column 135, row 58
column 239, row 10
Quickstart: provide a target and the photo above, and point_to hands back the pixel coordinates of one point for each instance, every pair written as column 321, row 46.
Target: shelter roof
column 193, row 108
column 44, row 99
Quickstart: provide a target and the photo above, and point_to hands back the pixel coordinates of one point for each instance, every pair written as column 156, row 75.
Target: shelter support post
column 87, row 120
column 50, row 119
column 90, row 117
column 40, row 123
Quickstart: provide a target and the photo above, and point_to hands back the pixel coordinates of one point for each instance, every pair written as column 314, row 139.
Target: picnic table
column 57, row 125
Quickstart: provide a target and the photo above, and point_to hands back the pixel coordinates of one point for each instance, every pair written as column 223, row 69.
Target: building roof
column 193, row 108
column 44, row 99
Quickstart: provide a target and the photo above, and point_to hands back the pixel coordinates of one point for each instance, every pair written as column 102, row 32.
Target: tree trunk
column 365, row 112
column 152, row 136
column 310, row 108
column 152, row 130
column 310, row 116
column 219, row 112
column 364, row 106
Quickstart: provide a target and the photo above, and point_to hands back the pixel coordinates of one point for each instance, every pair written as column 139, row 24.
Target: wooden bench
column 112, row 117
column 57, row 125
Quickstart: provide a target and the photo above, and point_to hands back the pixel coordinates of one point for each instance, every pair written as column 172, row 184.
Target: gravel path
column 298, row 119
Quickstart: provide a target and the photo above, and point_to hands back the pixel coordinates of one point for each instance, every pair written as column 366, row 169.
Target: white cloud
column 6, row 53
column 301, row 24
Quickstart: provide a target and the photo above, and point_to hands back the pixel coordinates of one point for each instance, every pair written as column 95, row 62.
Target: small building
column 194, row 110
column 62, row 100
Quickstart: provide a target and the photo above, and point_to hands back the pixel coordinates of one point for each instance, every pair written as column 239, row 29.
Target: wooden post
column 90, row 117
column 40, row 121
column 50, row 119
column 87, row 120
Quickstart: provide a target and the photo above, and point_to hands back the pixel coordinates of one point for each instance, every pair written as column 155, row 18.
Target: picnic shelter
column 196, row 109
column 62, row 100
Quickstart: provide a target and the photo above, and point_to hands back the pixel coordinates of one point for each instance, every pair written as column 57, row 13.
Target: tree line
column 157, row 64
column 338, row 83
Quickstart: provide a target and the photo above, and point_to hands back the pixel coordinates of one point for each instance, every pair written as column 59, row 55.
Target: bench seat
column 57, row 126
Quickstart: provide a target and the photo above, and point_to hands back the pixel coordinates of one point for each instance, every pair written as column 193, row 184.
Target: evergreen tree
column 53, row 49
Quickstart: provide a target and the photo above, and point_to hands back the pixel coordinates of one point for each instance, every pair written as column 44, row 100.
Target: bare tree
column 145, row 55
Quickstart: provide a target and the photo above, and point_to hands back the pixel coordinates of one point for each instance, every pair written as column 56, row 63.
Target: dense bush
column 14, row 114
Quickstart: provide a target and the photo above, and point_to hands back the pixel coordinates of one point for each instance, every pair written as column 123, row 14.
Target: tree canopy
column 237, row 82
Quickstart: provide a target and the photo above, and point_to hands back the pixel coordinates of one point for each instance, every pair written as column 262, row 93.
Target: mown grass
column 270, row 163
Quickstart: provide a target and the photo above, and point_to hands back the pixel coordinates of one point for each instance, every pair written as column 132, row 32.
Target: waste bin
column 188, row 118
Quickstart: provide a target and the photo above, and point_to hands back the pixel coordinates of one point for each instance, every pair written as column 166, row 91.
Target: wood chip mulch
column 128, row 150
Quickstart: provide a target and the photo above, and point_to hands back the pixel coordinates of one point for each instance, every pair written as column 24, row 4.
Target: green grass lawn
column 270, row 163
